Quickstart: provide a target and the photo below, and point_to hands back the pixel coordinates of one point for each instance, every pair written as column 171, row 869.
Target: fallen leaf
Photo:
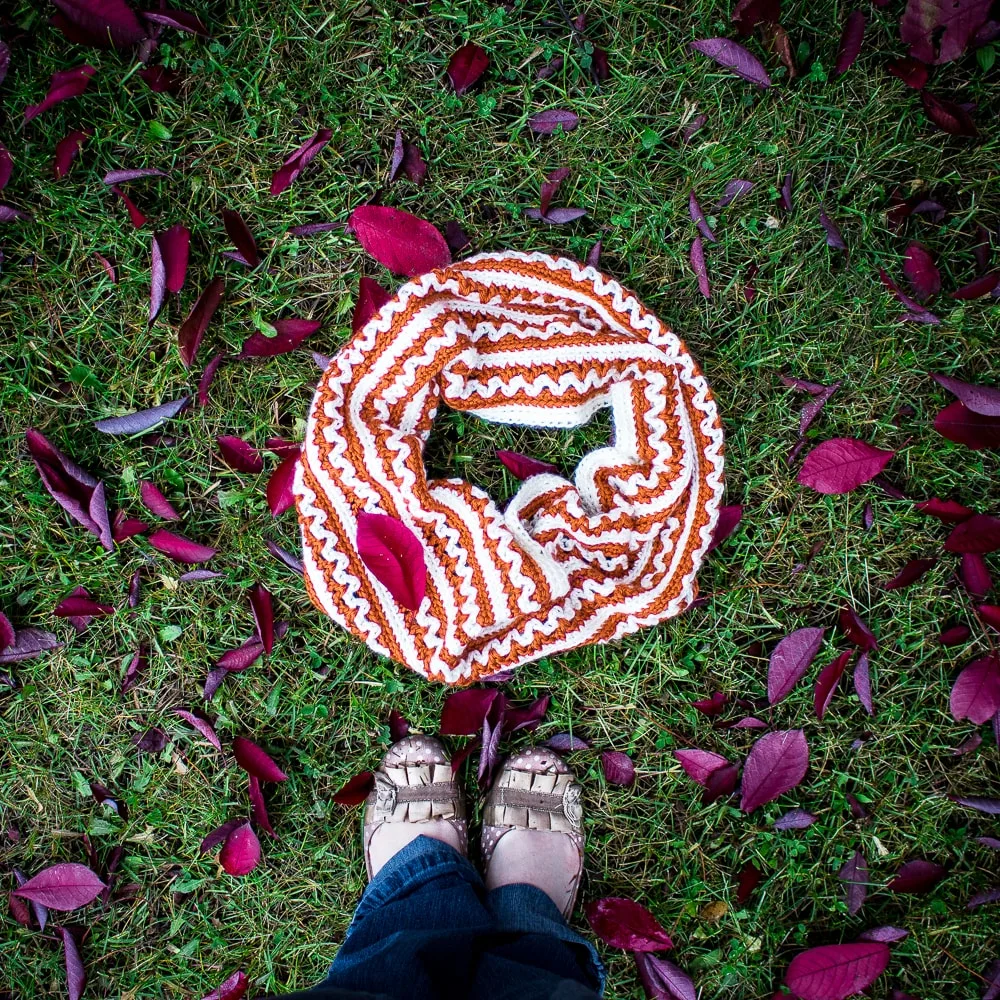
column 113, row 177
column 777, row 763
column 697, row 258
column 912, row 72
column 29, row 643
column 292, row 562
column 7, row 165
column 989, row 806
column 862, row 683
column 255, row 761
column 62, row 887
column 201, row 725
column 733, row 56
column 65, row 84
column 662, row 980
column 700, row 764
column 524, row 466
column 263, row 615
column 790, row 660
column 626, row 924
column 917, row 876
column 841, row 465
column 836, row 971
column 548, row 122
column 240, row 455
column 985, row 284
column 730, row 517
column 289, row 335
column 106, row 23
column 912, row 571
column 887, row 935
column 855, row 874
column 734, row 190
column 821, row 396
column 156, row 503
column 958, row 423
column 747, row 14
column 399, row 727
column 142, row 420
column 160, row 79
column 394, row 555
column 180, row 20
column 566, row 742
column 749, row 878
column 76, row 976
column 356, row 790
column 979, row 533
column 850, row 42
column 834, row 237
column 826, row 683
column 948, row 116
column 786, row 193
column 81, row 606
column 235, row 660
column 192, row 330
column 180, row 549
column 242, row 238
column 400, row 241
column 618, row 767
column 66, row 150
column 921, row 271
column 694, row 126
column 698, row 218
column 795, row 819
column 258, row 807
column 279, row 486
column 205, row 382
column 294, row 164
column 466, row 66
column 371, row 297
column 234, row 988
column 137, row 666
column 779, row 42
column 854, row 627
column 975, row 694
column 938, row 31
column 240, row 853
column 982, row 399
column 137, row 217
column 949, row 511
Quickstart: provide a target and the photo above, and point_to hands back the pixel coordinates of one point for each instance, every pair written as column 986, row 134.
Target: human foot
column 415, row 795
column 532, row 827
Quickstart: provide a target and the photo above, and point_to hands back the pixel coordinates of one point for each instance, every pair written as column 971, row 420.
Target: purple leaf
column 735, row 57
column 242, row 238
column 255, row 761
column 66, row 150
column 697, row 258
column 198, row 576
column 991, row 842
column 887, row 935
column 720, row 782
column 394, row 555
column 854, row 627
column 821, row 396
column 983, row 285
column 989, row 806
column 626, row 924
column 29, row 643
column 205, row 382
column 215, row 677
column 938, row 31
column 662, row 980
column 826, row 683
column 558, row 216
column 795, row 819
column 263, row 615
column 734, row 190
column 836, row 971
column 356, row 790
column 290, row 335
column 976, row 693
column 406, row 158
column 80, row 606
column 750, row 723
column 863, row 684
column 241, row 852
column 917, row 877
column 292, row 562
column 65, row 84
column 463, row 711
column 313, row 228
column 712, row 706
column 841, row 465
column 565, row 742
column 790, row 661
column 62, row 887
column 180, row 549
column 142, row 420
column 174, row 246
column 107, row 23
column 279, row 486
column 619, row 768
column 982, row 399
column 910, row 573
column 234, row 660
column 992, row 979
column 786, row 194
column 455, row 236
column 113, row 177
column 289, row 171
column 398, row 240
column 990, row 614
column 547, row 122
column 834, row 237
column 135, row 669
column 180, row 20
column 156, row 503
column 4, row 60
column 258, row 807
column 466, row 66
column 529, row 717
column 913, row 73
column 76, row 976
column 855, row 874
column 218, row 835
column 153, row 740
column 850, row 43
column 985, row 896
column 955, row 636
column 201, row 725
column 239, row 454
column 524, row 466
column 6, row 632
column 700, row 764
column 949, row 511
column 698, row 218
column 776, row 764
column 695, row 125
column 371, row 297
column 747, row 14
column 948, row 116
column 958, row 423
column 921, row 272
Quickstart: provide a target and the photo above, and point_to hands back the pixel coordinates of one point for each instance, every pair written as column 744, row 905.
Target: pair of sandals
column 535, row 791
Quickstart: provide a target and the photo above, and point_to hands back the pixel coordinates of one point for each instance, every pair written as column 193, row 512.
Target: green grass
column 77, row 348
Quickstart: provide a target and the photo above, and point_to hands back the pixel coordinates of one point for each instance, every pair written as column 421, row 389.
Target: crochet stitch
column 516, row 338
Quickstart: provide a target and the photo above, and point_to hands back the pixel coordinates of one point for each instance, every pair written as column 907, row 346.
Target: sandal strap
column 414, row 793
column 530, row 801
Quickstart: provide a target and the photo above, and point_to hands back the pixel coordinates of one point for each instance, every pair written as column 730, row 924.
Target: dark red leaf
column 842, row 464
column 263, row 615
column 6, row 632
column 201, row 725
column 938, row 31
column 694, row 126
column 62, row 887
column 254, row 760
column 174, row 244
column 985, row 284
column 399, row 727
column 985, row 896
column 949, row 511
column 241, row 236
column 193, row 328
column 699, row 765
column 142, row 420
column 529, row 717
column 921, row 272
column 834, row 237
column 918, row 876
column 356, row 790
column 850, row 43
column 836, row 971
column 594, row 255
column 734, row 190
column 524, row 466
column 137, row 217
column 958, row 423
column 747, row 14
column 821, row 396
column 662, row 980
column 79, row 606
column 948, row 116
column 455, row 236
column 394, row 555
column 400, row 241
column 239, row 454
column 698, row 218
column 241, row 852
column 976, row 692
column 975, row 575
column 720, row 783
column 29, row 643
column 826, row 683
column 235, row 660
column 618, row 767
column 279, row 486
column 779, row 43
column 65, row 84
column 312, row 228
column 626, row 924
column 179, row 548
column 697, row 258
column 854, row 627
column 181, row 20
column 786, row 194
column 371, row 297
column 855, row 874
column 790, row 660
column 258, row 807
column 153, row 740
column 137, row 666
column 108, row 23
column 734, row 57
column 289, row 171
column 863, row 684
column 234, row 988
column 750, row 878
column 795, row 819
column 776, row 764
column 548, row 122
column 156, row 503
column 910, row 573
column 954, row 636
column 76, row 976
column 290, row 333
column 463, row 712
column 712, row 706
column 66, row 150
column 219, row 834
column 161, row 80
column 979, row 533
column 205, row 382
column 466, row 66
column 913, row 73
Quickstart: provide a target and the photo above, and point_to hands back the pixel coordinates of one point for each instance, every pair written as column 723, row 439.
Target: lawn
column 77, row 348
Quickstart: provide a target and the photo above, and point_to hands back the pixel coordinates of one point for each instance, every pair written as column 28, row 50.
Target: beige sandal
column 537, row 791
column 415, row 784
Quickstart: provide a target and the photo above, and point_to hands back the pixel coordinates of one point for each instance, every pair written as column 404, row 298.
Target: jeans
column 427, row 929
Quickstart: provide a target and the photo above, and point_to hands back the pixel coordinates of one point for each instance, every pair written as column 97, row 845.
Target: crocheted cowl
column 513, row 338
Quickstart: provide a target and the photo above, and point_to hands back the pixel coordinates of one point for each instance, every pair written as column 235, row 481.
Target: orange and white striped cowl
column 514, row 338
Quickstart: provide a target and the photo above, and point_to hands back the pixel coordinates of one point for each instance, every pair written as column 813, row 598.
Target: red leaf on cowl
column 394, row 555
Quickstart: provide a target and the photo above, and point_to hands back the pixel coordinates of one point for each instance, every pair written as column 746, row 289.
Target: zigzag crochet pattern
column 515, row 338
